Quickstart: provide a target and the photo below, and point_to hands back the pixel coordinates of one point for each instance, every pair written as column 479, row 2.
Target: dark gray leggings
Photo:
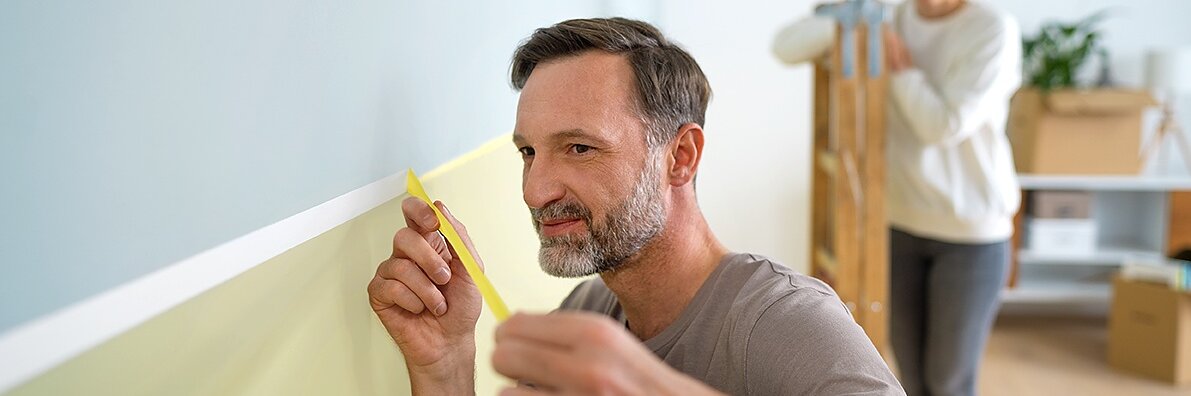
column 944, row 298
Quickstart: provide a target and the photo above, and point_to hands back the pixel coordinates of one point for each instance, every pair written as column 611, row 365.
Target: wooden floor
column 1047, row 355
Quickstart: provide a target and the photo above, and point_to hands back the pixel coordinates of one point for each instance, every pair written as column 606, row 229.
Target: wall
column 138, row 133
column 138, row 136
column 300, row 323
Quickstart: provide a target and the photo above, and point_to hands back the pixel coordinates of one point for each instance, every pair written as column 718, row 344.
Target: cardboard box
column 1061, row 204
column 1062, row 236
column 1077, row 131
column 1149, row 331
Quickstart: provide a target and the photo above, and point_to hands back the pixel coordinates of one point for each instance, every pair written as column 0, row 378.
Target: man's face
column 591, row 184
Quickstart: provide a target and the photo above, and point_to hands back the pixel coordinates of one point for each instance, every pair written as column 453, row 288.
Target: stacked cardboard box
column 1077, row 131
column 1149, row 330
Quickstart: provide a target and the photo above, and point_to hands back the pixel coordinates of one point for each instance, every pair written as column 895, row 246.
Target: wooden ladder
column 849, row 230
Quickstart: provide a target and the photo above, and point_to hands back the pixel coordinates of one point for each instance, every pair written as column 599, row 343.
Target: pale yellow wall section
column 300, row 323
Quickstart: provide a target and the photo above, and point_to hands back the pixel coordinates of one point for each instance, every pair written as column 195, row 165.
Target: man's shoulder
column 801, row 339
column 755, row 288
column 766, row 281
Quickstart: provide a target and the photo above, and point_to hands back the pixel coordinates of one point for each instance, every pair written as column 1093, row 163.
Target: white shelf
column 1107, row 256
column 1103, row 183
column 1129, row 211
column 1057, row 293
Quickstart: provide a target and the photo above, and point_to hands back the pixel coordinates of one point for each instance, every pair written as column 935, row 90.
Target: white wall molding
column 39, row 345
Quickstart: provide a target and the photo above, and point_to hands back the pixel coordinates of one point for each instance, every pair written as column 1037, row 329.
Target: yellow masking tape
column 486, row 290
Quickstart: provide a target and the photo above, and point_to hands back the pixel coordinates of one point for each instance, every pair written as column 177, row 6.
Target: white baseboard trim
column 39, row 345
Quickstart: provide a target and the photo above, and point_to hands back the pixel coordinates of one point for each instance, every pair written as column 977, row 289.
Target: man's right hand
column 427, row 301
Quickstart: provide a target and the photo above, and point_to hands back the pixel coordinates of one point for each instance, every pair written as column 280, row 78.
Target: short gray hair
column 671, row 88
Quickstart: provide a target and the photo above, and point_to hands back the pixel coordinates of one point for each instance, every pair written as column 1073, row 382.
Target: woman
column 952, row 189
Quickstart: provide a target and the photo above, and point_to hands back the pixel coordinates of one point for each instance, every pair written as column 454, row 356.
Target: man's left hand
column 582, row 353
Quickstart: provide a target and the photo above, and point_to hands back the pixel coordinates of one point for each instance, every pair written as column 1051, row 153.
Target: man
column 952, row 186
column 609, row 125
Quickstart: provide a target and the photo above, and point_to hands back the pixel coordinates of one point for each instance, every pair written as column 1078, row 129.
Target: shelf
column 1103, row 183
column 1057, row 293
column 1107, row 256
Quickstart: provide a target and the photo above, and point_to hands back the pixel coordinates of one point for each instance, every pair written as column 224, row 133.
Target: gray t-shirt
column 756, row 327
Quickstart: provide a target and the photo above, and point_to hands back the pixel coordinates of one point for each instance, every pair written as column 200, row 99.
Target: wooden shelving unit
column 1139, row 217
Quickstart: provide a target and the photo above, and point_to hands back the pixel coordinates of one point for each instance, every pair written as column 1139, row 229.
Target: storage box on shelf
column 1062, row 204
column 1062, row 237
column 1061, row 223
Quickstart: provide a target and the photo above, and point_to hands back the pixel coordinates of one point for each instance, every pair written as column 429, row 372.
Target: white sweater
column 950, row 169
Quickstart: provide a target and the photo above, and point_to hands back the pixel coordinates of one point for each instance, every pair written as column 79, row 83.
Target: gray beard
column 629, row 227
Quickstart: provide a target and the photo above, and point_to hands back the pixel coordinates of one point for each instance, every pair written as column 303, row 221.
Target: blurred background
column 195, row 195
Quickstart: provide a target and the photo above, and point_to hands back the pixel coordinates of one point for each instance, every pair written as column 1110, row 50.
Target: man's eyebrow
column 576, row 133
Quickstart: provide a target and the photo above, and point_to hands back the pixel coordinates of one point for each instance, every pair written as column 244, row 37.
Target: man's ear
column 685, row 153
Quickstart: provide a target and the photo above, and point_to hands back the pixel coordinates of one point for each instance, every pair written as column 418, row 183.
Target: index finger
column 418, row 215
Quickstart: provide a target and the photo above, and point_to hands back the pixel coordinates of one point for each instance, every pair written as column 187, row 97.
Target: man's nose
column 541, row 185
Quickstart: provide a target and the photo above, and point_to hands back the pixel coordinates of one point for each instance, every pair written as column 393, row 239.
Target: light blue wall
column 137, row 133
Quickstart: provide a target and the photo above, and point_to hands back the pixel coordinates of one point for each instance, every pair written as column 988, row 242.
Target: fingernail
column 444, row 208
column 440, row 309
column 428, row 221
column 442, row 276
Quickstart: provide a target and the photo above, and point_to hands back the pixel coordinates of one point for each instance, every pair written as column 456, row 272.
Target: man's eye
column 580, row 149
column 526, row 151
